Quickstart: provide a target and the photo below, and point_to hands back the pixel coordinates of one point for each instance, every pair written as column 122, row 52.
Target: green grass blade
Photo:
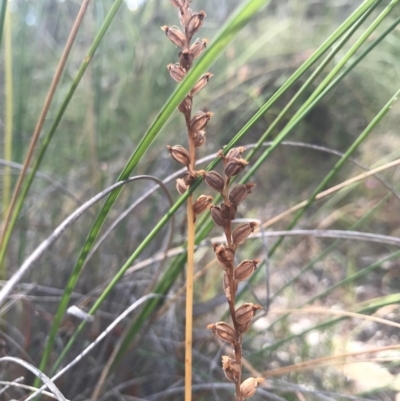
column 2, row 19
column 235, row 23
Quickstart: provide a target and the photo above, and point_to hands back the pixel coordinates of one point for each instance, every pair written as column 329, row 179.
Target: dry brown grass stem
column 43, row 114
column 330, row 191
column 325, row 361
column 325, row 311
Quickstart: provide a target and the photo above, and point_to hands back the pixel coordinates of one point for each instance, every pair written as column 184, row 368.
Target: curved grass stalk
column 40, row 375
column 101, row 336
column 13, row 281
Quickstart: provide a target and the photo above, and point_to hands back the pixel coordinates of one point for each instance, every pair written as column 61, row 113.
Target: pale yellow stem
column 189, row 300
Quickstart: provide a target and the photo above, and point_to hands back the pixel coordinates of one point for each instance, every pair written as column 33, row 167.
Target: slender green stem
column 2, row 18
column 8, row 131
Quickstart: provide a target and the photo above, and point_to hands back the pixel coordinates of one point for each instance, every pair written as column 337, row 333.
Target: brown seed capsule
column 225, row 256
column 235, row 166
column 197, row 47
column 216, row 215
column 175, row 35
column 179, row 154
column 239, row 193
column 244, row 327
column 235, row 153
column 242, row 232
column 195, row 23
column 214, row 180
column 201, row 204
column 201, row 83
column 186, row 105
column 181, row 186
column 176, row 71
column 249, row 386
column 231, row 368
column 223, row 331
column 178, row 3
column 200, row 120
column 199, row 138
column 184, row 16
column 189, row 177
column 228, row 211
column 245, row 269
column 245, row 312
column 186, row 59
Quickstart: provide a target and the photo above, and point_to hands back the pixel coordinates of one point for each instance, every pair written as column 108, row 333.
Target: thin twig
column 34, row 256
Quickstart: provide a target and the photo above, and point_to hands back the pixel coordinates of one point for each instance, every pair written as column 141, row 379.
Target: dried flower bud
column 186, row 105
column 201, row 83
column 179, row 154
column 231, row 368
column 199, row 138
column 235, row 166
column 176, row 71
column 235, row 153
column 184, row 16
column 175, row 35
column 195, row 23
column 197, row 47
column 201, row 204
column 181, row 186
column 216, row 215
column 245, row 312
column 242, row 232
column 214, row 180
column 225, row 256
column 240, row 192
column 186, row 59
column 178, row 3
column 228, row 211
column 200, row 120
column 223, row 331
column 245, row 269
column 249, row 386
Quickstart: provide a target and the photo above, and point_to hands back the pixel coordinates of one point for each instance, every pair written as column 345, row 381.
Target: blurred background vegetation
column 120, row 95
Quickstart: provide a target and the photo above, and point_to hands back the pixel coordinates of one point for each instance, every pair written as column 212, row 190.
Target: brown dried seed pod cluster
column 181, row 37
column 223, row 215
